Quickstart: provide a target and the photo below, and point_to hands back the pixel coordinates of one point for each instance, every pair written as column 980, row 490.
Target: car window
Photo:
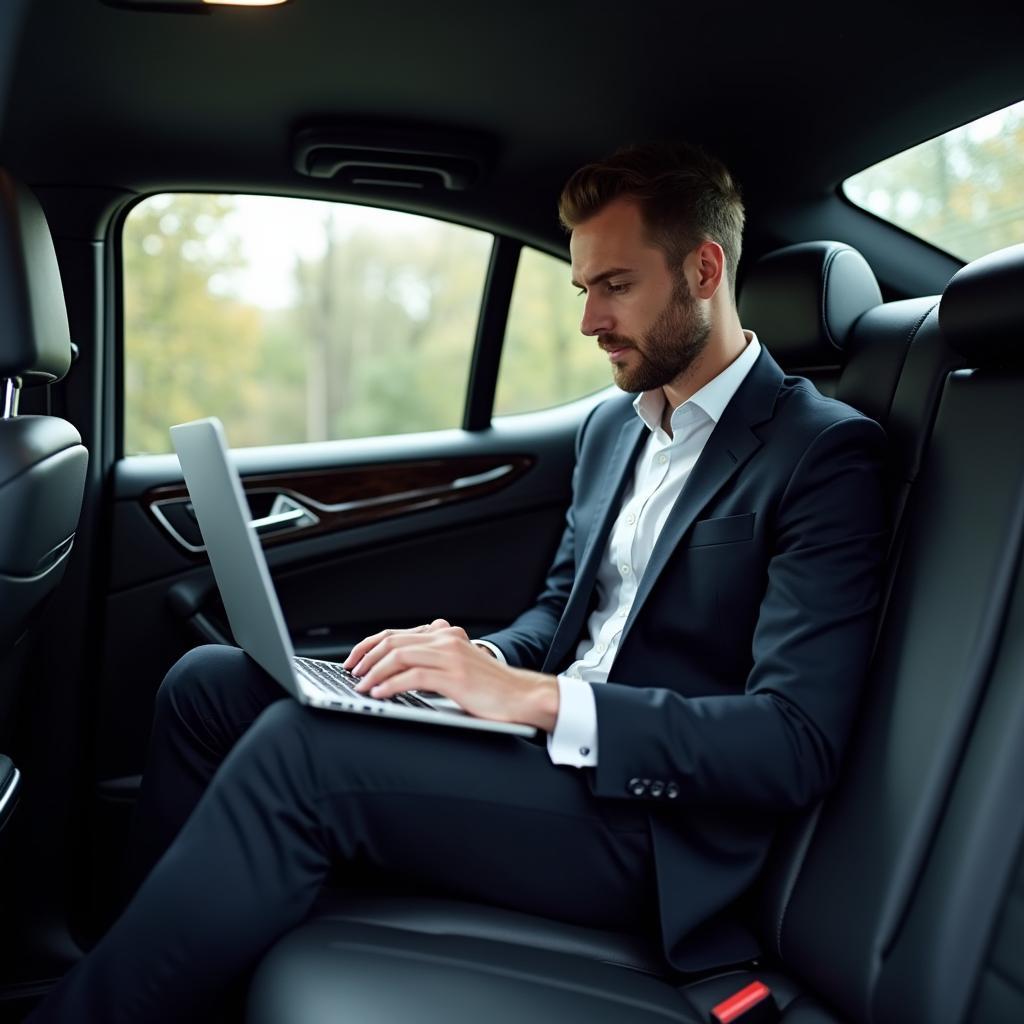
column 545, row 360
column 962, row 191
column 294, row 320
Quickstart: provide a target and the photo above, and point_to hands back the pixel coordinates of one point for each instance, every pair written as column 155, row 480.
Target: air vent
column 394, row 158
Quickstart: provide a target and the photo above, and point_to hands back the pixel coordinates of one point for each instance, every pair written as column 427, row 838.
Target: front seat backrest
column 42, row 460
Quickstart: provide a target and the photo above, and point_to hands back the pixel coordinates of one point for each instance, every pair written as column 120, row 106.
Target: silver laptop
column 251, row 601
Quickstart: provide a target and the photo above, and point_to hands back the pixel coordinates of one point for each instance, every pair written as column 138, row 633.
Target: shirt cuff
column 496, row 651
column 573, row 741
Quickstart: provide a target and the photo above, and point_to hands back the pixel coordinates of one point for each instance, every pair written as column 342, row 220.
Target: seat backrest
column 42, row 460
column 803, row 302
column 958, row 953
column 962, row 529
column 891, row 365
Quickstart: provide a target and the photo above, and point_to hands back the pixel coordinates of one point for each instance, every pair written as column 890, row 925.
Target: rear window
column 962, row 192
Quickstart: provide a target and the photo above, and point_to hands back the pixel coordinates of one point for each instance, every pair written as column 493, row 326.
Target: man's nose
column 596, row 318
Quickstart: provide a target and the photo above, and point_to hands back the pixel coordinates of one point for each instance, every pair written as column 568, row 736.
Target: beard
column 668, row 349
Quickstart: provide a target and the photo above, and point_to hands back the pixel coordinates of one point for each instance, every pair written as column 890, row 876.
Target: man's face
column 639, row 309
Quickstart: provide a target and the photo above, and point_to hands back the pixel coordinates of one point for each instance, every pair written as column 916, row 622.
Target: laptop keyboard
column 332, row 678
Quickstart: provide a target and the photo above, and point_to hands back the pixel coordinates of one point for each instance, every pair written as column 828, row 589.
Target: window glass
column 962, row 191
column 546, row 361
column 294, row 320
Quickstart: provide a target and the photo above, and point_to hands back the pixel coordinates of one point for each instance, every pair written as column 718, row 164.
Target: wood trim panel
column 355, row 496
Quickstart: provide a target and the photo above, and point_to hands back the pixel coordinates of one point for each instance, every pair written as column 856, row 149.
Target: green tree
column 389, row 321
column 190, row 350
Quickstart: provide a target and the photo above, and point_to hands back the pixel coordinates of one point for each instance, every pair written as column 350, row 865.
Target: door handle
column 278, row 519
column 10, row 778
column 178, row 518
column 285, row 511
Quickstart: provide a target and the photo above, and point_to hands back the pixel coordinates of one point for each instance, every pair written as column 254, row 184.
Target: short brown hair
column 685, row 196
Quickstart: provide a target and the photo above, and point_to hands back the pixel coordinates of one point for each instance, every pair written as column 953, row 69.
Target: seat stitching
column 827, row 271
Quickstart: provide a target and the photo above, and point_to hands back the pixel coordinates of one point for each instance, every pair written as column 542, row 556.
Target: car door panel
column 478, row 559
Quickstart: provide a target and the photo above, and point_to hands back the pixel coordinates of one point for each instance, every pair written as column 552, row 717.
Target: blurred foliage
column 376, row 339
column 188, row 351
column 545, row 360
column 962, row 191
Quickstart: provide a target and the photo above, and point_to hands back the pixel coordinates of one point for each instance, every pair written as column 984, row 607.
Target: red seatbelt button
column 751, row 1005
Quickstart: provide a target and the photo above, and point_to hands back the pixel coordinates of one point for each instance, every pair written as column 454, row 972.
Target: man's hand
column 439, row 657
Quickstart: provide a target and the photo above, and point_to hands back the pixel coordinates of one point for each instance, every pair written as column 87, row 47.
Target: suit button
column 657, row 787
column 638, row 787
column 671, row 791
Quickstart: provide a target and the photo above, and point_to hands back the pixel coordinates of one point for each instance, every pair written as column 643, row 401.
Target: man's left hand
column 448, row 664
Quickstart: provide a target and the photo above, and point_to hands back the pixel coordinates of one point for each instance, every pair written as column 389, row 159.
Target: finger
column 422, row 655
column 416, row 678
column 363, row 646
column 396, row 659
column 390, row 643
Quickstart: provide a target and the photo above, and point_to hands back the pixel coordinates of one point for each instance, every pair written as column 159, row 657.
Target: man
column 695, row 658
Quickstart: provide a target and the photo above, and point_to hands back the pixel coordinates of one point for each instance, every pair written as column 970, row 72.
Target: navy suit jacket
column 740, row 665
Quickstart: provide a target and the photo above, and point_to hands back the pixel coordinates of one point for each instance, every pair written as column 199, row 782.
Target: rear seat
column 958, row 954
column 870, row 909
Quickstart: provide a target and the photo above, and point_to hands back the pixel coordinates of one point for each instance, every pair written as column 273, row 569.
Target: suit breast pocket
column 724, row 530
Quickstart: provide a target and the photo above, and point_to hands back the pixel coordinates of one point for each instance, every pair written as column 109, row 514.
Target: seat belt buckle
column 751, row 1005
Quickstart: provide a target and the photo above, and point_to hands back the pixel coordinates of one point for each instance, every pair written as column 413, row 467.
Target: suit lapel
column 731, row 444
column 617, row 473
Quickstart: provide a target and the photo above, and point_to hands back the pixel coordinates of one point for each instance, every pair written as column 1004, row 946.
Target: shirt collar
column 711, row 399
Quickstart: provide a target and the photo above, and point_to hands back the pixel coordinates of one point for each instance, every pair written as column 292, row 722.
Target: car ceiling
column 793, row 98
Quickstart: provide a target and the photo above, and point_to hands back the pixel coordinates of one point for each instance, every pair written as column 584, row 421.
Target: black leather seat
column 42, row 459
column 804, row 302
column 958, row 951
column 838, row 905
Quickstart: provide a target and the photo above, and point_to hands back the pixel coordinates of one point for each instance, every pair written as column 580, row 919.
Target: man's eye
column 582, row 291
column 617, row 289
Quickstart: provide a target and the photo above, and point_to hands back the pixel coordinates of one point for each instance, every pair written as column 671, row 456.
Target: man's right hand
column 388, row 640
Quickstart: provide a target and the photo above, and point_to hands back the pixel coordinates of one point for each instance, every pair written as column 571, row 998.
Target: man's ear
column 707, row 269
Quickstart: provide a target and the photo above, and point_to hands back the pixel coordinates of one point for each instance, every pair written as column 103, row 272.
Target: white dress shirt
column 662, row 469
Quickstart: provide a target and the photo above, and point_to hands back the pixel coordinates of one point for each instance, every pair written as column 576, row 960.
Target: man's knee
column 192, row 673
column 215, row 685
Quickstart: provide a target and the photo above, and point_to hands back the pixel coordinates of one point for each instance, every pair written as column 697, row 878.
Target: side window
column 294, row 320
column 545, row 360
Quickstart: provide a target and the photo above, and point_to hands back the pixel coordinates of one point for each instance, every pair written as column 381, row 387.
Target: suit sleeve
column 777, row 744
column 526, row 641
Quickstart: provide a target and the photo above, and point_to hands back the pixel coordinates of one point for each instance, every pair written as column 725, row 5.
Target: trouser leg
column 483, row 816
column 205, row 703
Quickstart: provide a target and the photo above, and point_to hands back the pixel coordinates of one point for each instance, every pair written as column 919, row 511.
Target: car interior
column 900, row 897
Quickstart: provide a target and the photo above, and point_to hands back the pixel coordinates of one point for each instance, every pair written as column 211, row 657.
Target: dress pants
column 250, row 800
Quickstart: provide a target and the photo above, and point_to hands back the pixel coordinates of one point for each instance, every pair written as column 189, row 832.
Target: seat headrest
column 35, row 342
column 981, row 312
column 803, row 300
